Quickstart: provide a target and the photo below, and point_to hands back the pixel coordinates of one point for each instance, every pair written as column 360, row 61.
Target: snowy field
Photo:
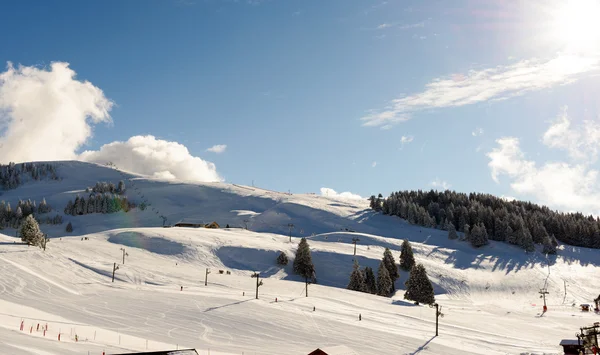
column 489, row 296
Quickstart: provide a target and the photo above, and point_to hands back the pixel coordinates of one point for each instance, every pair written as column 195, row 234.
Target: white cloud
column 154, row 157
column 477, row 132
column 497, row 83
column 401, row 27
column 374, row 164
column 571, row 185
column 443, row 185
column 507, row 198
column 556, row 184
column 325, row 191
column 405, row 140
column 582, row 143
column 46, row 113
column 219, row 148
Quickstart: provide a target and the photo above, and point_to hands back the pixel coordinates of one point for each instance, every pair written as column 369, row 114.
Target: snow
column 489, row 296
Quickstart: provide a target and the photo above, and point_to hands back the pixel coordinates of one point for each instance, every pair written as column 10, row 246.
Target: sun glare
column 577, row 25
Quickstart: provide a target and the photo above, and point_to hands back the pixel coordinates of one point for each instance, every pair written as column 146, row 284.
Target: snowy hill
column 489, row 296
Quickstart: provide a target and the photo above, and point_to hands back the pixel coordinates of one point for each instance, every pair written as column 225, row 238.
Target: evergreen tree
column 370, row 281
column 452, row 231
column 390, row 265
column 418, row 286
column 18, row 213
column 357, row 280
column 549, row 248
column 69, row 208
column 407, row 259
column 121, row 187
column 282, row 259
column 478, row 236
column 467, row 232
column 30, row 231
column 554, row 241
column 384, row 282
column 303, row 264
column 69, row 227
column 372, row 202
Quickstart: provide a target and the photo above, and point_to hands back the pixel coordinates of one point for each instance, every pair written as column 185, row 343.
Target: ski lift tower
column 543, row 293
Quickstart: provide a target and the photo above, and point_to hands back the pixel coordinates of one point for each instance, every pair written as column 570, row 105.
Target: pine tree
column 69, row 227
column 407, row 259
column 467, row 232
column 282, row 259
column 390, row 265
column 121, row 187
column 19, row 213
column 478, row 236
column 357, row 281
column 549, row 248
column 418, row 286
column 452, row 231
column 384, row 282
column 30, row 231
column 303, row 264
column 370, row 281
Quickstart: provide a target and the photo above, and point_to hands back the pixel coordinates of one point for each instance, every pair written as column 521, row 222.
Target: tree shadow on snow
column 404, row 303
column 97, row 271
column 152, row 244
column 422, row 347
column 225, row 305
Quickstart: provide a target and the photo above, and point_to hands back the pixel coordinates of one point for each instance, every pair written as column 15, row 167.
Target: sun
column 576, row 25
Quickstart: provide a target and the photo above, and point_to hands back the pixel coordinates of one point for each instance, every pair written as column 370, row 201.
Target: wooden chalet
column 213, row 225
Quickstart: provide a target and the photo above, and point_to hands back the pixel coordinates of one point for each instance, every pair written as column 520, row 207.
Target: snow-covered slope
column 489, row 296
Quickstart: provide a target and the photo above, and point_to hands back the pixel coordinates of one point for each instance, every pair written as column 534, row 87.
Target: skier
column 359, row 317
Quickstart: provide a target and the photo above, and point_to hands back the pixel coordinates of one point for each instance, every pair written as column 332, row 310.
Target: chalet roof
column 569, row 342
column 165, row 352
column 338, row 350
column 191, row 221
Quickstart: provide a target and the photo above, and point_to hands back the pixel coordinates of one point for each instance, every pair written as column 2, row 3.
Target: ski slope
column 489, row 296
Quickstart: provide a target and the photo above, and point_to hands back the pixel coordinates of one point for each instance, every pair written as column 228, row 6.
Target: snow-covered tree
column 19, row 213
column 384, row 282
column 30, row 231
column 121, row 187
column 69, row 227
column 303, row 264
column 392, row 268
column 467, row 232
column 549, row 247
column 370, row 281
column 357, row 281
column 282, row 259
column 407, row 259
column 44, row 207
column 418, row 286
column 478, row 236
column 452, row 231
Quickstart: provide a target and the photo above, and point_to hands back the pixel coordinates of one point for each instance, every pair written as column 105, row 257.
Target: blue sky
column 352, row 95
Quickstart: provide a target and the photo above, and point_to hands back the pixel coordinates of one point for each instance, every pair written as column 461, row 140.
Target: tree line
column 13, row 175
column 10, row 218
column 107, row 187
column 418, row 286
column 98, row 203
column 483, row 217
